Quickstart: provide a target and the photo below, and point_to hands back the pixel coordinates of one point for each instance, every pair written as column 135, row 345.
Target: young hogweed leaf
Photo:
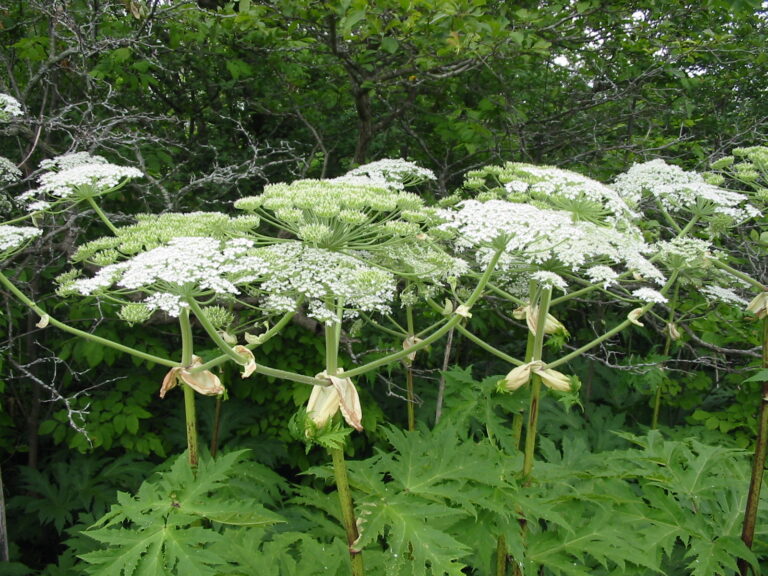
column 287, row 554
column 719, row 556
column 130, row 552
column 158, row 532
column 186, row 552
column 412, row 529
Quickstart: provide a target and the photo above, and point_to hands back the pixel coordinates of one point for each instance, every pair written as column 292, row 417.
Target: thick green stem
column 80, row 333
column 347, row 509
column 758, row 463
column 667, row 348
column 213, row 334
column 410, row 396
column 533, row 411
column 440, row 332
column 190, row 415
column 740, row 275
column 332, row 338
column 501, row 556
column 102, row 216
column 487, row 347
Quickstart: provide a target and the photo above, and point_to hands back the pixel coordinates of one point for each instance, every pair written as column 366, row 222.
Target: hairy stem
column 347, row 509
column 758, row 463
column 82, row 334
column 667, row 348
column 533, row 410
column 190, row 415
column 102, row 216
column 332, row 338
column 410, row 397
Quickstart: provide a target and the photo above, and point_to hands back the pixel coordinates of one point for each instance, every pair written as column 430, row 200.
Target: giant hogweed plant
column 344, row 249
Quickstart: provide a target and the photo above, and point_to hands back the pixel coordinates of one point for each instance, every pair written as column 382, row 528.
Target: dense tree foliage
column 213, row 101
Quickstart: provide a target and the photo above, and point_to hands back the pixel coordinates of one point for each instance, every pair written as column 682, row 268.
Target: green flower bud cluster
column 341, row 215
column 153, row 230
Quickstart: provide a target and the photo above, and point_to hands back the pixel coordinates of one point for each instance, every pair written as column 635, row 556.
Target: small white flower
column 725, row 295
column 8, row 171
column 550, row 279
column 533, row 236
column 678, row 190
column 602, row 274
column 9, row 107
column 12, row 237
column 71, row 160
column 186, row 265
column 388, row 173
column 297, row 271
column 649, row 295
column 85, row 179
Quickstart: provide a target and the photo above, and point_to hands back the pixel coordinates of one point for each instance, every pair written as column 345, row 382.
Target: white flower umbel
column 649, row 295
column 78, row 176
column 9, row 107
column 684, row 253
column 715, row 293
column 186, row 267
column 153, row 230
column 604, row 275
column 339, row 215
column 388, row 173
column 8, row 171
column 533, row 236
column 301, row 273
column 566, row 190
column 14, row 237
column 550, row 279
column 678, row 190
column 71, row 160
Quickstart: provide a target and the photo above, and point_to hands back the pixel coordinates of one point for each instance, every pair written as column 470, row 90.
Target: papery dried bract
column 170, row 381
column 554, row 380
column 635, row 315
column 759, row 305
column 409, row 343
column 673, row 332
column 323, row 404
column 250, row 366
column 531, row 314
column 325, row 401
column 205, row 382
column 518, row 377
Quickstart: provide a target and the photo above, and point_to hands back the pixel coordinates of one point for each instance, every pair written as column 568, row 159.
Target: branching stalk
column 102, row 216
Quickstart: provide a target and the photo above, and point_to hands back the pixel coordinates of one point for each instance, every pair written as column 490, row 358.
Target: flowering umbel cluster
column 9, row 107
column 169, row 275
column 680, row 191
column 74, row 177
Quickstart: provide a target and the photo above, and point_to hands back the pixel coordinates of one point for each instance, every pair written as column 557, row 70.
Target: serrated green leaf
column 409, row 525
column 128, row 551
column 233, row 513
column 186, row 551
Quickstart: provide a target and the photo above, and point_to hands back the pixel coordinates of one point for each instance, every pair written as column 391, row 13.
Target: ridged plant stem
column 190, row 415
column 758, row 464
column 332, row 338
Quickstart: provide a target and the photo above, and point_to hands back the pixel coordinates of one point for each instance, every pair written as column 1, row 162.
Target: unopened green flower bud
column 248, row 203
column 218, row 316
column 135, row 313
